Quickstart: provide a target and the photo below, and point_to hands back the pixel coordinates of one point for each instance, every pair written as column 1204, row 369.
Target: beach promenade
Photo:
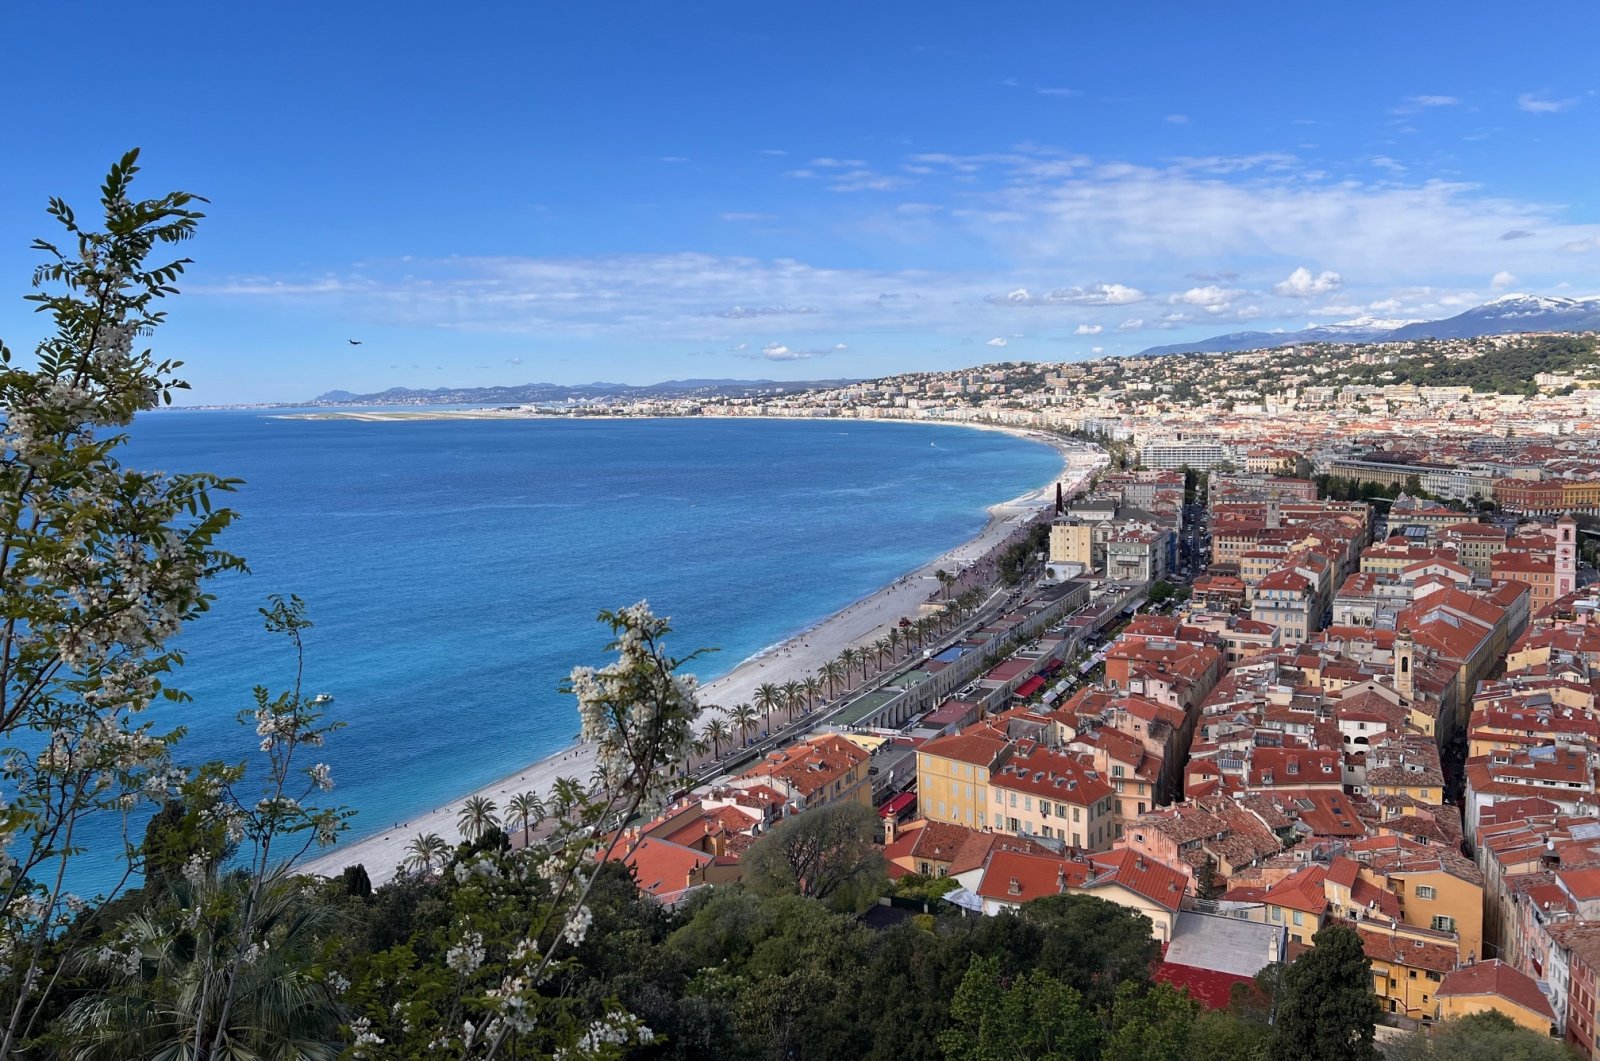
column 796, row 658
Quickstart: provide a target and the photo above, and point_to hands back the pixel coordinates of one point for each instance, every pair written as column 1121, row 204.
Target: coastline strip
column 792, row 659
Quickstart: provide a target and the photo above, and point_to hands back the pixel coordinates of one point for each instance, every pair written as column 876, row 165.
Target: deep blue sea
column 454, row 569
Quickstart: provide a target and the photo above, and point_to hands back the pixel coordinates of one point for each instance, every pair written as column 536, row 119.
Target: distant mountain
column 556, row 394
column 1509, row 313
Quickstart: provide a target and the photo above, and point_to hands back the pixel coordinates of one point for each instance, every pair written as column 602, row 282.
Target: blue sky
column 504, row 193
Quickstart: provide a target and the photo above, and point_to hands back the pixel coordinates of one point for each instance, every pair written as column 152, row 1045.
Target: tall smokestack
column 1060, row 505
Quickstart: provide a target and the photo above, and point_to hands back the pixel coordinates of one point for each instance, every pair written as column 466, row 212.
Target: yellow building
column 1072, row 543
column 953, row 776
column 1053, row 795
column 1408, row 967
column 1438, row 891
column 1497, row 987
column 1406, row 766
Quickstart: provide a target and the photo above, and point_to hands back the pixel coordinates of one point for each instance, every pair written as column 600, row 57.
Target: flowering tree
column 99, row 566
column 497, row 988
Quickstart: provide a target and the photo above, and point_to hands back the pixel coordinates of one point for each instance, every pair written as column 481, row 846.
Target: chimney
column 1061, row 879
column 1015, row 887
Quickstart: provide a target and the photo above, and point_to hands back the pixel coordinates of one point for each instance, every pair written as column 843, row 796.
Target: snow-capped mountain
column 1511, row 313
column 1506, row 314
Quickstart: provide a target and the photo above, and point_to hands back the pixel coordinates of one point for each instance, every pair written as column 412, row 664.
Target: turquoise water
column 454, row 568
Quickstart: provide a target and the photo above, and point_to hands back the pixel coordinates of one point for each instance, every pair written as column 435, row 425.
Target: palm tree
column 850, row 657
column 716, row 731
column 895, row 640
column 768, row 698
column 525, row 807
column 171, row 1004
column 832, row 671
column 745, row 718
column 476, row 817
column 793, row 692
column 946, row 579
column 567, row 794
column 813, row 687
column 879, row 647
column 424, row 850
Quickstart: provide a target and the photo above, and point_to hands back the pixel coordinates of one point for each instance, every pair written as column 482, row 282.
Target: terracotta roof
column 1301, row 891
column 1383, row 945
column 1495, row 977
column 1141, row 874
column 1019, row 876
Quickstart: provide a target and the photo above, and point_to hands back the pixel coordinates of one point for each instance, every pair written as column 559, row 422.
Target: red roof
column 1496, row 978
column 1210, row 989
column 1017, row 876
column 1141, row 874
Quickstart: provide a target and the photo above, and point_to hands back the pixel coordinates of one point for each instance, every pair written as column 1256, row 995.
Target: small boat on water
column 320, row 699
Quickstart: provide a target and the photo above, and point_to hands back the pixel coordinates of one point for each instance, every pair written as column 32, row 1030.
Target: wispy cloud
column 1178, row 119
column 739, row 215
column 1093, row 295
column 1042, row 232
column 1502, row 280
column 1540, row 103
column 1413, row 104
column 735, row 313
column 998, row 340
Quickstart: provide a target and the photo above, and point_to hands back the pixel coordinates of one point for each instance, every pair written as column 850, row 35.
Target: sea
column 453, row 569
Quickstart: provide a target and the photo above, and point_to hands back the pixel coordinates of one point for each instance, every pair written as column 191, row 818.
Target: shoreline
column 789, row 659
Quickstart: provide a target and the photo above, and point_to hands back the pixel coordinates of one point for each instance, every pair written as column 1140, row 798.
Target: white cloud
column 673, row 158
column 1502, row 280
column 1097, row 349
column 1132, row 325
column 917, row 209
column 1088, row 329
column 1093, row 295
column 998, row 340
column 780, row 352
column 1209, row 297
column 1538, row 103
column 1301, row 284
column 737, row 215
column 1178, row 119
column 1578, row 246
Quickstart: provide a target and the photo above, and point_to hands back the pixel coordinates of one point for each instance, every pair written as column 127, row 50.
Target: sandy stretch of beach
column 857, row 624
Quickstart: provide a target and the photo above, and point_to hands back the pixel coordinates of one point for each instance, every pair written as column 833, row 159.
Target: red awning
column 898, row 805
column 1031, row 686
